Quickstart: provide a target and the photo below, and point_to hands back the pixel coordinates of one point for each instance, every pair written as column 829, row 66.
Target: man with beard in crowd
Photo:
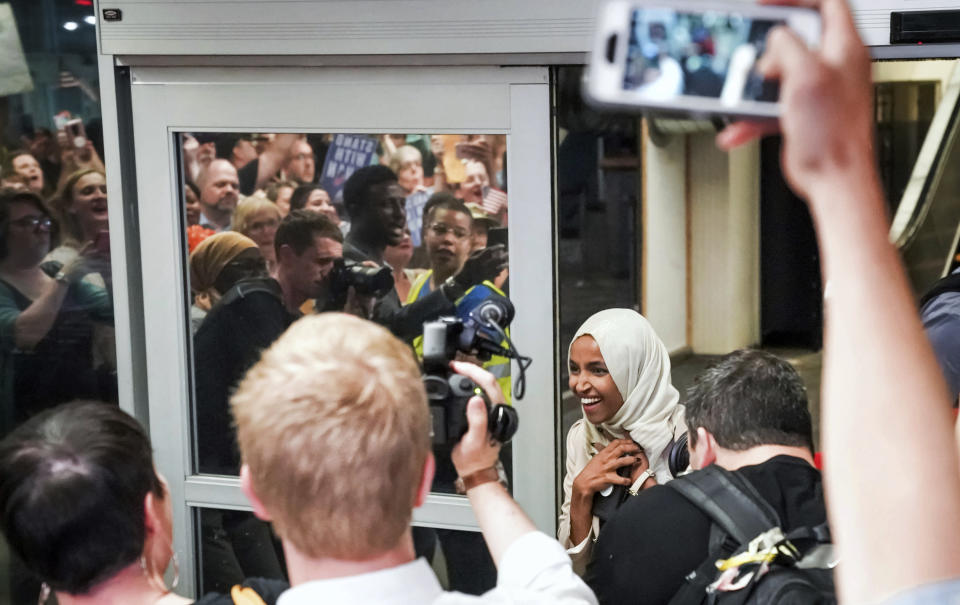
column 219, row 194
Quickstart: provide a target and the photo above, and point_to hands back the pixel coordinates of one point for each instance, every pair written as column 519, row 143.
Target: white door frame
column 475, row 100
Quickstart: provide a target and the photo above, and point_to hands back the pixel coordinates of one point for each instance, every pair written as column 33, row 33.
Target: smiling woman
column 81, row 209
column 620, row 371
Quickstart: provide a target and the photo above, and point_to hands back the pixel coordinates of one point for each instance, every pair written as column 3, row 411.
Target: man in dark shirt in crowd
column 375, row 202
column 747, row 414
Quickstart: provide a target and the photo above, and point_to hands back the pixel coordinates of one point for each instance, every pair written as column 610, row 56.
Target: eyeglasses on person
column 36, row 223
column 440, row 229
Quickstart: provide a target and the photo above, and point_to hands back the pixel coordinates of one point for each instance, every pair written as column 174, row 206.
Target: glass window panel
column 233, row 546
column 598, row 171
column 76, row 357
column 460, row 559
column 245, row 292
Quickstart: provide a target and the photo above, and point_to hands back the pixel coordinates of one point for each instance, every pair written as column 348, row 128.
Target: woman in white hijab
column 620, row 371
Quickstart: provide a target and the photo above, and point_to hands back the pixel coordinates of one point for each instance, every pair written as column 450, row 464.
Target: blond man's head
column 334, row 429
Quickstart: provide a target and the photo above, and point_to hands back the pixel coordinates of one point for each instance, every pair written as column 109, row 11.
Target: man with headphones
column 747, row 414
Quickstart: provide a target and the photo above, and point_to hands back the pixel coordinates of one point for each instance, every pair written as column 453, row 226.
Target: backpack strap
column 245, row 287
column 738, row 514
column 950, row 283
column 730, row 501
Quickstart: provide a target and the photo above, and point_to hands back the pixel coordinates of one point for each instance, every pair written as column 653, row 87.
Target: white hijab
column 640, row 367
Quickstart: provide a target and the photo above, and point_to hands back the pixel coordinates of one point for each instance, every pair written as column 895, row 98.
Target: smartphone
column 60, row 120
column 76, row 133
column 690, row 57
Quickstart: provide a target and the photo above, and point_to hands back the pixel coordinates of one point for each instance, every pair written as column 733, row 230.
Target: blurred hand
column 483, row 265
column 359, row 305
column 476, row 451
column 825, row 96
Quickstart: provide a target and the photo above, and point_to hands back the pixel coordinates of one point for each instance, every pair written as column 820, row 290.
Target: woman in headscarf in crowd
column 258, row 218
column 47, row 317
column 86, row 511
column 620, row 372
column 216, row 265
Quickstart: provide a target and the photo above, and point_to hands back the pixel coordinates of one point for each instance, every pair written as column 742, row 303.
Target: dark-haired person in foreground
column 891, row 466
column 344, row 516
column 747, row 414
column 375, row 202
column 86, row 511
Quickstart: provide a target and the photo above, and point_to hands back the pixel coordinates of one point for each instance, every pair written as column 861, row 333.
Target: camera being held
column 478, row 332
column 373, row 282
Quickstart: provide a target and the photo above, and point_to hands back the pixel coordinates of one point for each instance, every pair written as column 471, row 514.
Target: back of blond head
column 334, row 426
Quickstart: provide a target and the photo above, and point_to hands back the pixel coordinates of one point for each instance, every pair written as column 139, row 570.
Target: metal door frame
column 167, row 100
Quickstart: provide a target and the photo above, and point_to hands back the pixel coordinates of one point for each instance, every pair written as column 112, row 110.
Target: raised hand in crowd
column 73, row 159
column 892, row 473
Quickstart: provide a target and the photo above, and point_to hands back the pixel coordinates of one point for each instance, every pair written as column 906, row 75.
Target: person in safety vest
column 448, row 227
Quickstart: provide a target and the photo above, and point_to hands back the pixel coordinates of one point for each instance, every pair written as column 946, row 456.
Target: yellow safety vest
column 497, row 365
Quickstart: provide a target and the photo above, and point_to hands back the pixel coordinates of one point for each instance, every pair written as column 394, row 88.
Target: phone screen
column 702, row 54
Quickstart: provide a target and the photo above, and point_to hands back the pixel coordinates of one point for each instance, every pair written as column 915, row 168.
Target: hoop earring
column 44, row 594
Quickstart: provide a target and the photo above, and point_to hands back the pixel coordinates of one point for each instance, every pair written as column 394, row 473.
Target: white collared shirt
column 534, row 569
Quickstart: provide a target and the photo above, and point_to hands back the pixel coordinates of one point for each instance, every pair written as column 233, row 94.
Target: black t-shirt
column 227, row 343
column 269, row 591
column 644, row 552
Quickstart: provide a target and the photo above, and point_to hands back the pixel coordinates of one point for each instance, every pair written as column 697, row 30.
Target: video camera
column 477, row 330
column 366, row 281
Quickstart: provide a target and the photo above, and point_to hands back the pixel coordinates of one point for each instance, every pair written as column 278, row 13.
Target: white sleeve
column 534, row 569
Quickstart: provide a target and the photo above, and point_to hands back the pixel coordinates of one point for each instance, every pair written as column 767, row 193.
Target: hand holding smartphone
column 692, row 57
column 76, row 134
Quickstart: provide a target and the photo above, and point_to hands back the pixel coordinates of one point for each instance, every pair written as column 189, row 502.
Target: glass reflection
column 397, row 228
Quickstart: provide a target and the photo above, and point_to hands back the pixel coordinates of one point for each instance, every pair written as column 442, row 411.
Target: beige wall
column 702, row 240
column 724, row 246
column 664, row 241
